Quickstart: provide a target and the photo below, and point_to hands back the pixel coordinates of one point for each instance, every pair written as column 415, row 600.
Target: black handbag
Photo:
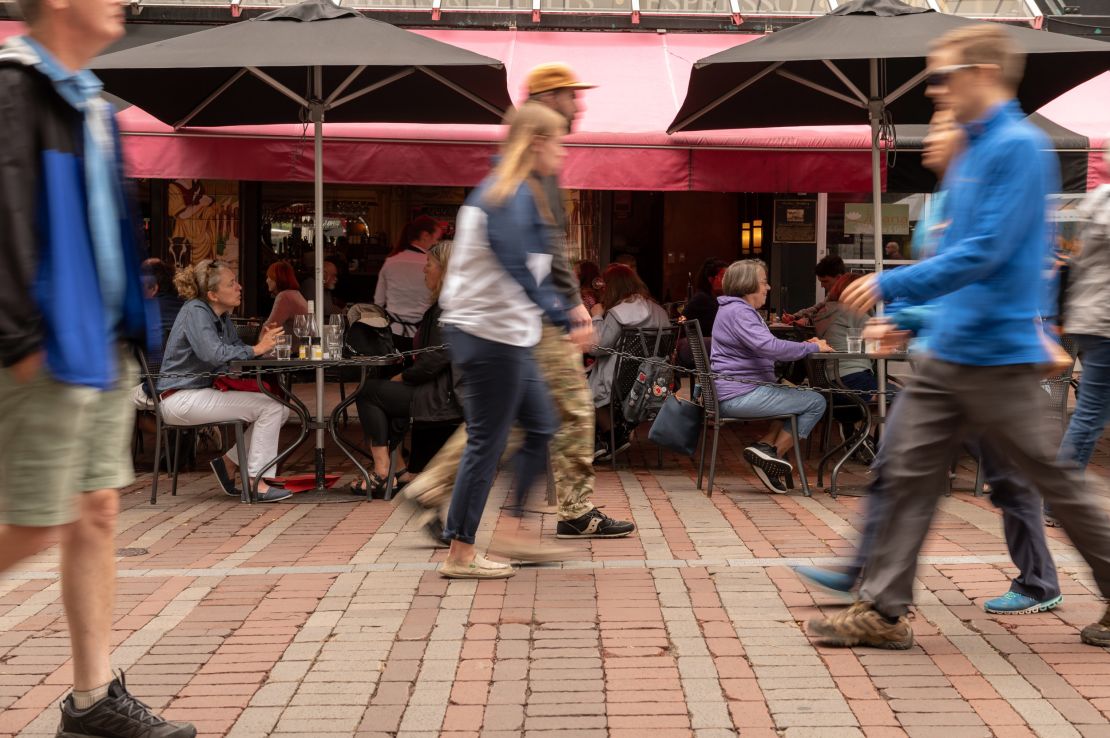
column 677, row 427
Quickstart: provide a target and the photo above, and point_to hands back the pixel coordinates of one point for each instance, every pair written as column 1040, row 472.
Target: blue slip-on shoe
column 1013, row 603
column 836, row 582
column 274, row 494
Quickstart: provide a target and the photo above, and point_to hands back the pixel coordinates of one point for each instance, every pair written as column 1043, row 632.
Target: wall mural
column 203, row 221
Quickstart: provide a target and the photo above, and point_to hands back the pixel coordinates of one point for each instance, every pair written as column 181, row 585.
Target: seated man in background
column 828, row 270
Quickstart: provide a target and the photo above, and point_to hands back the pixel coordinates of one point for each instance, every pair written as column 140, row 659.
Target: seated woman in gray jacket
column 203, row 342
column 625, row 303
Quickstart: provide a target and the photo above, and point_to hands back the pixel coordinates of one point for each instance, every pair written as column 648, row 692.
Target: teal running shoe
column 1013, row 603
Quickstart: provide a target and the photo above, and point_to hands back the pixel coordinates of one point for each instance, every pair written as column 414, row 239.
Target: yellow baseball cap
column 553, row 76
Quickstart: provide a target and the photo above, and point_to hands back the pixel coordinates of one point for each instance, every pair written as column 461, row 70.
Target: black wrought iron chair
column 712, row 413
column 161, row 435
column 630, row 350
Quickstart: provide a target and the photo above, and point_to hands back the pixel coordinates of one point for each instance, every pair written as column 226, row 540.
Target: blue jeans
column 764, row 402
column 501, row 385
column 1092, row 406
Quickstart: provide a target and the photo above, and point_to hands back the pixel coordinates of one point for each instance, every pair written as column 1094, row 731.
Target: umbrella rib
column 465, row 93
column 907, row 86
column 367, row 90
column 820, row 88
column 279, row 86
column 208, row 100
column 343, row 87
column 734, row 91
column 847, row 82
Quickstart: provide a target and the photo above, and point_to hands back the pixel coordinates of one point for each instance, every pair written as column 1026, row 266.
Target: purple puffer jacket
column 743, row 346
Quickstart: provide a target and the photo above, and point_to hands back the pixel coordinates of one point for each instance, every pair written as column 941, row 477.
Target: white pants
column 264, row 414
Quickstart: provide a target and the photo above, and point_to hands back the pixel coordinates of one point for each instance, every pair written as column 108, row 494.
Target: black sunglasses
column 939, row 76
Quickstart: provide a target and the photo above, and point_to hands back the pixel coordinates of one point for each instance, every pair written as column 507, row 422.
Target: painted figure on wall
column 204, row 221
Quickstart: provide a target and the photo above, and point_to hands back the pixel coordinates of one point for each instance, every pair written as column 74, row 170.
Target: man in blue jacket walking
column 986, row 341
column 71, row 303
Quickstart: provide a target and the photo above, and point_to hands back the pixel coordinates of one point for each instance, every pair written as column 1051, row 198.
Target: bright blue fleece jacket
column 987, row 277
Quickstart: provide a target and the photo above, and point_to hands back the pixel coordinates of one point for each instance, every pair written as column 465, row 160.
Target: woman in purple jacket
column 744, row 349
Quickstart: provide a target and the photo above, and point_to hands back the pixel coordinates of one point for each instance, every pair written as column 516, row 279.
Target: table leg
column 292, row 402
column 333, row 426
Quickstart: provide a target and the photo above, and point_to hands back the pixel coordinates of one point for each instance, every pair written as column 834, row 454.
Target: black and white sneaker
column 594, row 524
column 602, row 451
column 775, row 473
column 219, row 468
column 119, row 715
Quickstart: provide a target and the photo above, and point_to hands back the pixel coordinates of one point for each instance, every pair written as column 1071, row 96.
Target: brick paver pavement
column 329, row 620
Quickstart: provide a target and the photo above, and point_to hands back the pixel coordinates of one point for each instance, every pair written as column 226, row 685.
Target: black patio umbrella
column 861, row 60
column 303, row 64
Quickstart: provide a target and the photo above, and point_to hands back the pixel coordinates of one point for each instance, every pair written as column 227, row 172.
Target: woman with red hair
column 288, row 301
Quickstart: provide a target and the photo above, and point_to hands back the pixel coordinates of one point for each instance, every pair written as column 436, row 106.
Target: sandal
column 376, row 490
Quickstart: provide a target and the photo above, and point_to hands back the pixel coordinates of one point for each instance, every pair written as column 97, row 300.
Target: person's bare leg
column 461, row 553
column 233, row 471
column 18, row 542
column 774, row 433
column 783, row 443
column 89, row 587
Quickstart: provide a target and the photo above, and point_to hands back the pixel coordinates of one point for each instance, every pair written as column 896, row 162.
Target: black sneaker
column 594, row 524
column 119, row 715
column 764, row 456
column 219, row 468
column 867, row 452
column 603, row 452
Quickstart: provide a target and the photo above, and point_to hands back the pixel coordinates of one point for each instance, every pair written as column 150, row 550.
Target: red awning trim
column 619, row 143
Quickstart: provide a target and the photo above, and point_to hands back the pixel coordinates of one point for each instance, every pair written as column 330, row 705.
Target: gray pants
column 1005, row 407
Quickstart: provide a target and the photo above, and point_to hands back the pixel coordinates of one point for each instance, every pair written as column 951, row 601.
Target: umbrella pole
column 317, row 116
column 875, row 112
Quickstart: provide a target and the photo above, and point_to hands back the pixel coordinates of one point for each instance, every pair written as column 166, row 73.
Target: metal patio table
column 283, row 370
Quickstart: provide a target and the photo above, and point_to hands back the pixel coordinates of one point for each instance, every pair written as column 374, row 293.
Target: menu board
column 795, row 221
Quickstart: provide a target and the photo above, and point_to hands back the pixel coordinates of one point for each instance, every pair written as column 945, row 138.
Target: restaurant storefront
column 788, row 195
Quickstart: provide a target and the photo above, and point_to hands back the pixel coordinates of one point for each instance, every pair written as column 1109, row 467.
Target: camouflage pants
column 572, row 448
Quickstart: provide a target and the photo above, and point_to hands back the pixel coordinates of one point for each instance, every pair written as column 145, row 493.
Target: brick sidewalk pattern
column 330, row 620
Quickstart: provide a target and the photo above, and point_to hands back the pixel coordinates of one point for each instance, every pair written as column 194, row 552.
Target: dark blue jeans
column 1022, row 521
column 1092, row 406
column 501, row 385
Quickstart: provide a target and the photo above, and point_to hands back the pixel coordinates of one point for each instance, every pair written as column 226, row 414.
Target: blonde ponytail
column 531, row 122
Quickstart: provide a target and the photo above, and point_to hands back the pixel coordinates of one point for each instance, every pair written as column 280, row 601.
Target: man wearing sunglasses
column 987, row 347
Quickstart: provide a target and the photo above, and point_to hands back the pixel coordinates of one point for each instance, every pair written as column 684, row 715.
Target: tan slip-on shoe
column 479, row 568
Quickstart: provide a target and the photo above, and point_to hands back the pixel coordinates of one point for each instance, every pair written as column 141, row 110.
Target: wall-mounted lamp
column 757, row 235
column 745, row 238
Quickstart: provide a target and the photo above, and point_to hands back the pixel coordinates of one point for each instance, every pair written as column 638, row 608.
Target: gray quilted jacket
column 1088, row 299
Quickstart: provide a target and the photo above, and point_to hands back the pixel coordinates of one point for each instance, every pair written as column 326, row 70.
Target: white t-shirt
column 401, row 289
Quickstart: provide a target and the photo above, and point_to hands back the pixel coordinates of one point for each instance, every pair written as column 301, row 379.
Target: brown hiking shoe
column 1097, row 634
column 862, row 625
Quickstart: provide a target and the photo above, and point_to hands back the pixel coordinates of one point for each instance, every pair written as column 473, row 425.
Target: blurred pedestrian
column 986, row 341
column 72, row 308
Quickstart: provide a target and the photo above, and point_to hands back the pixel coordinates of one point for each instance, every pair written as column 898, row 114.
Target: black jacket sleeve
column 428, row 365
column 20, row 173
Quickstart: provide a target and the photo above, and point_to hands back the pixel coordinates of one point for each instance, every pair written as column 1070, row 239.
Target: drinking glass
column 300, row 330
column 333, row 335
column 855, row 344
column 283, row 347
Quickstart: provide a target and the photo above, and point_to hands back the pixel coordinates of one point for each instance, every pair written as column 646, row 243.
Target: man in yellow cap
column 572, row 449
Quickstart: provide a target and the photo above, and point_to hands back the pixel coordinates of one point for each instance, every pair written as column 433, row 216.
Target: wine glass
column 300, row 330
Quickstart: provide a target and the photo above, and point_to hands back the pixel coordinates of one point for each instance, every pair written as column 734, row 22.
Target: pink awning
column 619, row 143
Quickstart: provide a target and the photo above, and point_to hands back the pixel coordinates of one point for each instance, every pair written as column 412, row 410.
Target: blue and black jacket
column 50, row 298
